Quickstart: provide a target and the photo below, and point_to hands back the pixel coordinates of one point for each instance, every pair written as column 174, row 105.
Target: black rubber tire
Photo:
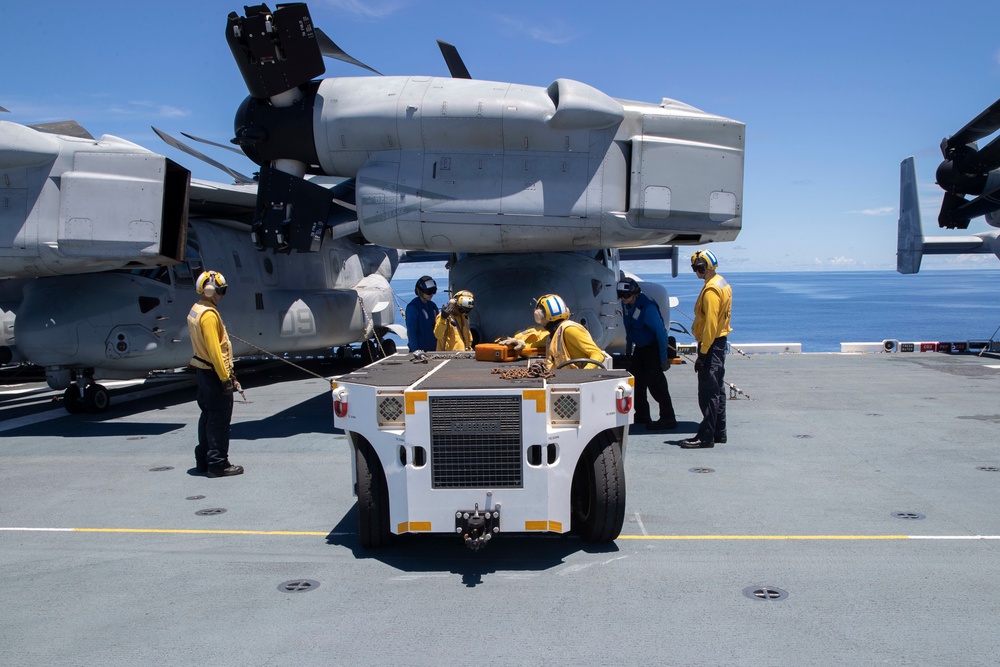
column 373, row 499
column 96, row 398
column 598, row 493
column 72, row 401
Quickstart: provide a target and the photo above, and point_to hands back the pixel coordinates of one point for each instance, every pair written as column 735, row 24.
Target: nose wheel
column 94, row 398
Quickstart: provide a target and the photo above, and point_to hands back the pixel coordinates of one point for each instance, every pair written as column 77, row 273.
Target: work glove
column 449, row 308
column 227, row 387
column 664, row 365
column 699, row 363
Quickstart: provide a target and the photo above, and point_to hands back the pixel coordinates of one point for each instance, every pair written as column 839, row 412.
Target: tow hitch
column 477, row 528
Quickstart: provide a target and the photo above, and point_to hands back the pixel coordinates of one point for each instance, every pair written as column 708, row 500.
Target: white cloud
column 835, row 261
column 882, row 210
column 367, row 9
column 150, row 108
column 551, row 32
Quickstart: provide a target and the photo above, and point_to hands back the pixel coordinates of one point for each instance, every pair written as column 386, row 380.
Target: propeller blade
column 948, row 218
column 979, row 127
column 981, row 205
column 212, row 143
column 988, row 157
column 170, row 141
column 454, row 61
column 329, row 49
column 2, row 110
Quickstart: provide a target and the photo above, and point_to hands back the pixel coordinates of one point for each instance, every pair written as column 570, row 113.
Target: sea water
column 822, row 309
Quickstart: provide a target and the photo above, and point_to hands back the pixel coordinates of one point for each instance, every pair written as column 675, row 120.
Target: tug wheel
column 373, row 498
column 597, row 499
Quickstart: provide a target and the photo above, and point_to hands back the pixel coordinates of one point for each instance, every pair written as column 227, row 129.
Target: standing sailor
column 451, row 329
column 712, row 312
column 421, row 315
column 213, row 361
column 646, row 342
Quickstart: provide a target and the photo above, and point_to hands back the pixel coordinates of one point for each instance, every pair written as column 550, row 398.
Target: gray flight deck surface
column 104, row 560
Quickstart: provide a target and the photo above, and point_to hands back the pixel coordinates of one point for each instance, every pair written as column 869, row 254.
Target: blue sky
column 834, row 95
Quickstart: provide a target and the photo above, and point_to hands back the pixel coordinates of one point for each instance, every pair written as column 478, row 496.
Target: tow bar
column 477, row 528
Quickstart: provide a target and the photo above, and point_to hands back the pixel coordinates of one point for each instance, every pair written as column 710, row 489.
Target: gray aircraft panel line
column 850, row 519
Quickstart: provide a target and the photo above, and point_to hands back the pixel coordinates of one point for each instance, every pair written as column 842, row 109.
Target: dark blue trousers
column 645, row 368
column 213, row 425
column 712, row 392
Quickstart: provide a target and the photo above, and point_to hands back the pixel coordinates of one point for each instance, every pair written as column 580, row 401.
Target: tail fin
column 910, row 241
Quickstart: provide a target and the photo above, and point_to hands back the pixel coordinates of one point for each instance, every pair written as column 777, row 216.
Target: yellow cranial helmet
column 550, row 308
column 704, row 259
column 464, row 300
column 211, row 282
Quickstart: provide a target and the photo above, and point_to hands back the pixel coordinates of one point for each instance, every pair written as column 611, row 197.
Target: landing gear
column 86, row 397
column 377, row 348
column 598, row 495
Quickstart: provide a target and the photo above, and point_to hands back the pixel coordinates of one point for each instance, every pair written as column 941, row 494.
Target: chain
column 271, row 354
column 533, row 370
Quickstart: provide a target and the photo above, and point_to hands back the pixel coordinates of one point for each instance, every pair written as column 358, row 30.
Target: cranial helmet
column 704, row 259
column 550, row 308
column 627, row 287
column 464, row 300
column 426, row 285
column 210, row 282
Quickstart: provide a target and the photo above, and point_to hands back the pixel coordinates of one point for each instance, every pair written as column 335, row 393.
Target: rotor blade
column 331, row 50
column 68, row 128
column 454, row 61
column 4, row 110
column 170, row 141
column 948, row 218
column 212, row 143
column 981, row 126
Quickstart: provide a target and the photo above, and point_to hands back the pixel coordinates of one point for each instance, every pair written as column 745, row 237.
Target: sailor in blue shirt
column 420, row 315
column 646, row 340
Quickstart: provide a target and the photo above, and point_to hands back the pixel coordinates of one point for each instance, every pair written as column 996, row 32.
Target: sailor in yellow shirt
column 711, row 328
column 567, row 339
column 213, row 361
column 451, row 328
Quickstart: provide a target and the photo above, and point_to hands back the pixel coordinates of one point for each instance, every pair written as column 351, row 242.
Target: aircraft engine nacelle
column 74, row 205
column 460, row 165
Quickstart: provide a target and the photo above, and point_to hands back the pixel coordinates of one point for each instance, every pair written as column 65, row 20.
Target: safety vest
column 452, row 338
column 706, row 331
column 557, row 351
column 203, row 348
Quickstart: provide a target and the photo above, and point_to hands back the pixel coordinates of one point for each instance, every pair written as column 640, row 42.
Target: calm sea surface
column 821, row 310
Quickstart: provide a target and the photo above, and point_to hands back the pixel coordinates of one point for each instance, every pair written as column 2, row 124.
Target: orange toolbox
column 495, row 352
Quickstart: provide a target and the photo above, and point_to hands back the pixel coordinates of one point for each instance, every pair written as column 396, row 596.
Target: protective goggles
column 221, row 289
column 624, row 290
column 699, row 267
column 428, row 287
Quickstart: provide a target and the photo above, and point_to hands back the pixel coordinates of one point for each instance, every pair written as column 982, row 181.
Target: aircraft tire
column 373, row 498
column 96, row 398
column 597, row 499
column 72, row 401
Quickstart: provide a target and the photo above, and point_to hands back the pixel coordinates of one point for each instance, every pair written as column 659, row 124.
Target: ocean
column 822, row 309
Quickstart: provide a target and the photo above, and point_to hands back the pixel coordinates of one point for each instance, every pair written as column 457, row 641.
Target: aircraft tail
column 910, row 241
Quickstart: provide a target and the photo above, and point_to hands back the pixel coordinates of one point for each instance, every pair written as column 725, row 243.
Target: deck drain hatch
column 161, row 469
column 136, row 437
column 874, row 414
column 298, row 586
column 988, row 468
column 767, row 593
column 908, row 515
column 701, row 469
column 803, row 436
column 194, row 498
column 211, row 511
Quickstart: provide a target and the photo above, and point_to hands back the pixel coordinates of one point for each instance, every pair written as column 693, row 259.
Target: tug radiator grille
column 476, row 442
